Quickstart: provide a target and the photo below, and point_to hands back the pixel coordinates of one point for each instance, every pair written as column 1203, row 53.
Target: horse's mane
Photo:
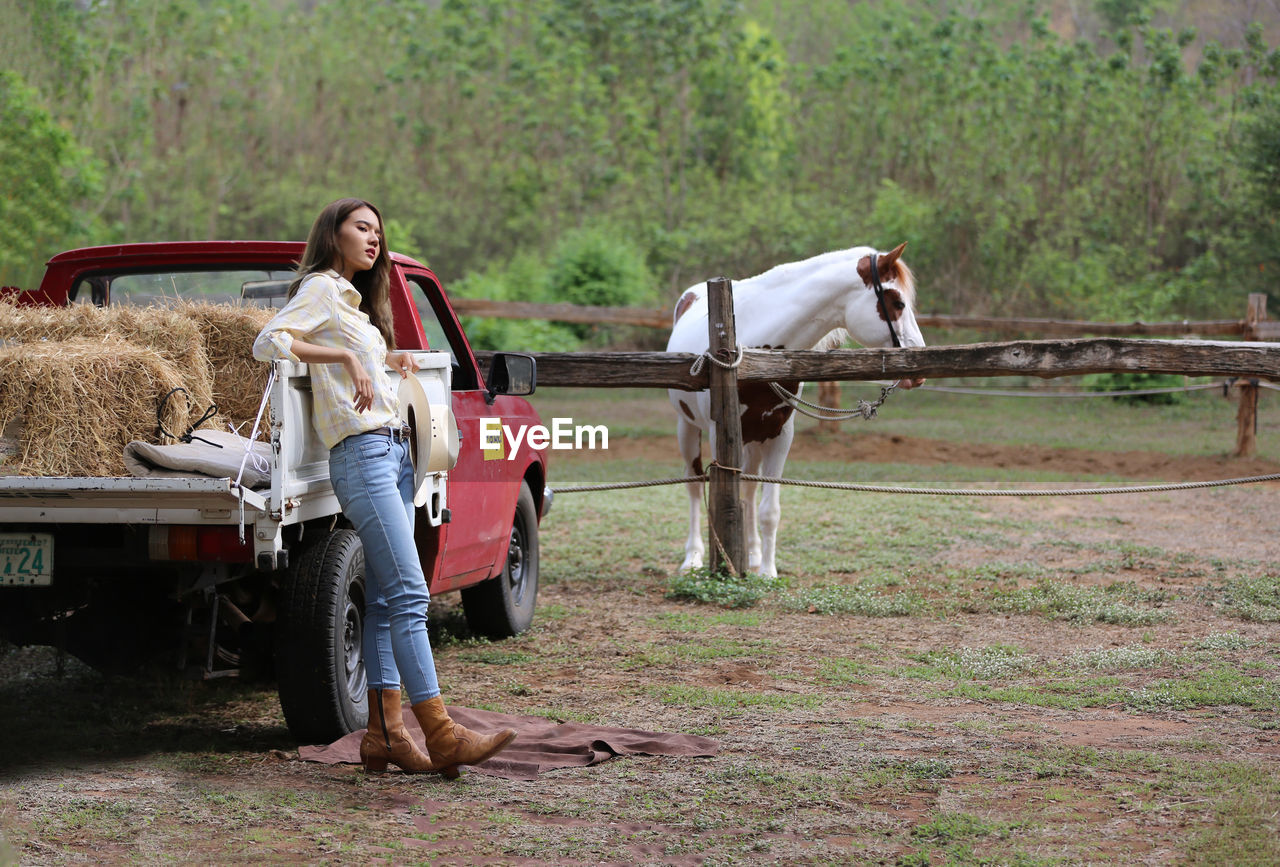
column 833, row 340
column 906, row 281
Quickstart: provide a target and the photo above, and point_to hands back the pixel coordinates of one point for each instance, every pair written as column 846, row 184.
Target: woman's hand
column 363, row 383
column 403, row 362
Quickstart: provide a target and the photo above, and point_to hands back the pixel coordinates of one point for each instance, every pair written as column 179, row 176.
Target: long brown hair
column 374, row 284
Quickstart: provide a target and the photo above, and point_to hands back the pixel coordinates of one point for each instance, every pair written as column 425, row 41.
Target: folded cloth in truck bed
column 219, row 456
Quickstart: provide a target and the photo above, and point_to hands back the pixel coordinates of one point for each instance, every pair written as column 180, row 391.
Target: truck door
column 481, row 499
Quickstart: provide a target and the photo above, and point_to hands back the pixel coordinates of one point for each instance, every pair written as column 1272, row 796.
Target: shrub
column 524, row 278
column 595, row 268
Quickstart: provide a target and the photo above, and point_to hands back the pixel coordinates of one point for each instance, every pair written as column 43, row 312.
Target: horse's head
column 875, row 324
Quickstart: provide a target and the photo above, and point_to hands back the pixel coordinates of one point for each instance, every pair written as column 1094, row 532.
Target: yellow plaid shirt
column 326, row 311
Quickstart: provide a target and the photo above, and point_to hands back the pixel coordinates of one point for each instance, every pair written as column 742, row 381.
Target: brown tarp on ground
column 540, row 744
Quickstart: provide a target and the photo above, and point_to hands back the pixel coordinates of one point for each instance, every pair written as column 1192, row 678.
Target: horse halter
column 884, row 308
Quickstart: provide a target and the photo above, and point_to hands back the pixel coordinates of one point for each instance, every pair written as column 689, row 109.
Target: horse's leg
column 775, row 457
column 689, row 438
column 752, row 454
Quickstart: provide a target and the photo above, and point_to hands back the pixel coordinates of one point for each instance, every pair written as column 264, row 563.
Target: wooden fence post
column 724, row 505
column 1247, row 413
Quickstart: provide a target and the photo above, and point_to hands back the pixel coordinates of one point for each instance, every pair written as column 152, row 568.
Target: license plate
column 26, row 559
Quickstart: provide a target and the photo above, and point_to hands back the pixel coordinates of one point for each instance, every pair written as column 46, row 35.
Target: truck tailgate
column 193, row 500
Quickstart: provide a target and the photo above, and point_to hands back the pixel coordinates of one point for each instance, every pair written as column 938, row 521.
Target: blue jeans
column 372, row 475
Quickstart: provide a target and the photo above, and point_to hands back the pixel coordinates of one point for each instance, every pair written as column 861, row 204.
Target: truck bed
column 127, row 500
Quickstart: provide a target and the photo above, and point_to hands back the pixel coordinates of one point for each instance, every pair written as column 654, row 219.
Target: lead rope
column 248, row 446
column 865, row 408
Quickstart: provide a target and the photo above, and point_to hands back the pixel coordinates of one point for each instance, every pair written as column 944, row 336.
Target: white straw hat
column 435, row 435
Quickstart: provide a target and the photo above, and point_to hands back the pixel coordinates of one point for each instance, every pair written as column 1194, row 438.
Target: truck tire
column 503, row 606
column 319, row 655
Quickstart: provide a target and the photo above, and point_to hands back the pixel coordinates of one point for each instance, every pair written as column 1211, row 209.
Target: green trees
column 1130, row 174
column 1045, row 176
column 48, row 181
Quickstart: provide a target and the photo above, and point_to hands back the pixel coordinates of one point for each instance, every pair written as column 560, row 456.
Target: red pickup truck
column 115, row 586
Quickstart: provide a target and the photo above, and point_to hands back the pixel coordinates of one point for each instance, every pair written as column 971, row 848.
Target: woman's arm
column 312, row 353
column 307, row 310
column 311, row 307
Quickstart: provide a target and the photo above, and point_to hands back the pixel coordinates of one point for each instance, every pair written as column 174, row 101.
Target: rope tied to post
column 701, row 360
column 719, row 466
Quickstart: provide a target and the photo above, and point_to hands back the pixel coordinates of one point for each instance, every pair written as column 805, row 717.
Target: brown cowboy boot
column 450, row 744
column 387, row 740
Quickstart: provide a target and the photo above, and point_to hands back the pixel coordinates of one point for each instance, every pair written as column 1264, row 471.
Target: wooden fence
column 1042, row 358
column 1254, row 326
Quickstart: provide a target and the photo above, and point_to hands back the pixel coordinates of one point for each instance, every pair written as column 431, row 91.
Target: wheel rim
column 353, row 644
column 517, row 574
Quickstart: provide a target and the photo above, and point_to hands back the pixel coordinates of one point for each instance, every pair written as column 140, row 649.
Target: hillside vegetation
column 1098, row 160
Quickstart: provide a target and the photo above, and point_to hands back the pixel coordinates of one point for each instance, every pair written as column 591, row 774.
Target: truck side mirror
column 510, row 373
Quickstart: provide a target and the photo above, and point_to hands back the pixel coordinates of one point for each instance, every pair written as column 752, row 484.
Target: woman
column 338, row 320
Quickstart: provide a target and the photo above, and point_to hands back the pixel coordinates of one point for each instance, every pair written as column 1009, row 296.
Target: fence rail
column 661, row 319
column 1042, row 358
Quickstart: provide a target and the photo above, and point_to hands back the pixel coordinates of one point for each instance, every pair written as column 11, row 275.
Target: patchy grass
column 678, row 653
column 856, row 599
column 1068, row 694
column 730, row 699
column 1118, row 603
column 1240, row 833
column 1122, row 658
column 1218, row 687
column 955, row 827
column 934, row 681
column 1253, row 598
column 698, row 621
column 1223, row 641
column 731, row 591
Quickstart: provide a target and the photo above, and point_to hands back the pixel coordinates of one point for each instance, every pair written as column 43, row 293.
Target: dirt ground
column 837, row 745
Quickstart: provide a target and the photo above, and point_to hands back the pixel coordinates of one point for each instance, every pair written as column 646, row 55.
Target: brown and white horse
column 813, row 304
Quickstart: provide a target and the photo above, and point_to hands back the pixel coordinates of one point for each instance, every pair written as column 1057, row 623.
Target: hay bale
column 168, row 331
column 228, row 331
column 75, row 404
